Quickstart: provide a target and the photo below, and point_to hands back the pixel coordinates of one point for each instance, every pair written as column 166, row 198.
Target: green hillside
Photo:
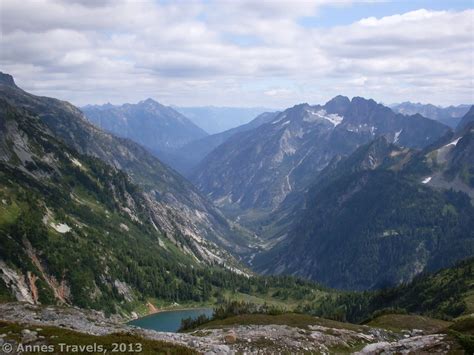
column 447, row 294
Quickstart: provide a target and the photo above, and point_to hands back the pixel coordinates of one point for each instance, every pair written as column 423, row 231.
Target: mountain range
column 156, row 127
column 167, row 133
column 257, row 169
column 349, row 194
column 450, row 115
column 380, row 216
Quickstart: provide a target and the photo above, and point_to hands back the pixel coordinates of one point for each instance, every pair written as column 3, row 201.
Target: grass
column 398, row 322
column 258, row 299
column 469, row 299
column 302, row 321
column 347, row 350
column 55, row 336
column 465, row 325
column 463, row 331
column 288, row 304
column 8, row 212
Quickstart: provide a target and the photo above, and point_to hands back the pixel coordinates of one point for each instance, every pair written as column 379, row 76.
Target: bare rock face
column 416, row 344
column 17, row 283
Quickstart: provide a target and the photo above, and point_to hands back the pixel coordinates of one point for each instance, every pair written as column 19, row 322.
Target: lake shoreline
column 169, row 320
column 164, row 310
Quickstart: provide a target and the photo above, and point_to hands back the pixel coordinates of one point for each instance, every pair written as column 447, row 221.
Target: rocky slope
column 450, row 163
column 177, row 208
column 449, row 116
column 42, row 325
column 379, row 217
column 259, row 168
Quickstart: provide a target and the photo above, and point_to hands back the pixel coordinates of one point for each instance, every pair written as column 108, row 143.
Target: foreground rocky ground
column 43, row 325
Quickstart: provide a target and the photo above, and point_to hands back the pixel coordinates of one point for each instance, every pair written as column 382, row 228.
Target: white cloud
column 183, row 52
column 278, row 92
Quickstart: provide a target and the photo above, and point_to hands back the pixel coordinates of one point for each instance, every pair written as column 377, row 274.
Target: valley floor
column 257, row 333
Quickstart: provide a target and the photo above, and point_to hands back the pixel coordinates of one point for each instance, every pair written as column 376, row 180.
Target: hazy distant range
column 214, row 119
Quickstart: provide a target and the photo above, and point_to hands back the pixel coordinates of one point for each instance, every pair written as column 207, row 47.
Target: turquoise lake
column 169, row 321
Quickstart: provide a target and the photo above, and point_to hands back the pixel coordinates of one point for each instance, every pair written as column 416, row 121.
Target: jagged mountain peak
column 299, row 107
column 151, row 102
column 338, row 104
column 360, row 99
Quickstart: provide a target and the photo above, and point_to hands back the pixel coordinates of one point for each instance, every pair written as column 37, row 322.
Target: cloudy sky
column 240, row 53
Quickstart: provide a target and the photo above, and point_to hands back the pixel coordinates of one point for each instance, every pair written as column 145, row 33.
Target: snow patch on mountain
column 426, row 180
column 314, row 116
column 454, row 142
column 397, row 136
column 61, row 227
column 280, row 118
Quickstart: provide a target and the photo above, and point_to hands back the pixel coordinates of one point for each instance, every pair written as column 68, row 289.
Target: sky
column 240, row 52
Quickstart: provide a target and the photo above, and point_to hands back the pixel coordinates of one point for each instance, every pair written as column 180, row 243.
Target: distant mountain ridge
column 260, row 167
column 149, row 123
column 215, row 119
column 450, row 115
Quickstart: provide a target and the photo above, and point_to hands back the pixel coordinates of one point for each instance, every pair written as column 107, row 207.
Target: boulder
column 230, row 337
